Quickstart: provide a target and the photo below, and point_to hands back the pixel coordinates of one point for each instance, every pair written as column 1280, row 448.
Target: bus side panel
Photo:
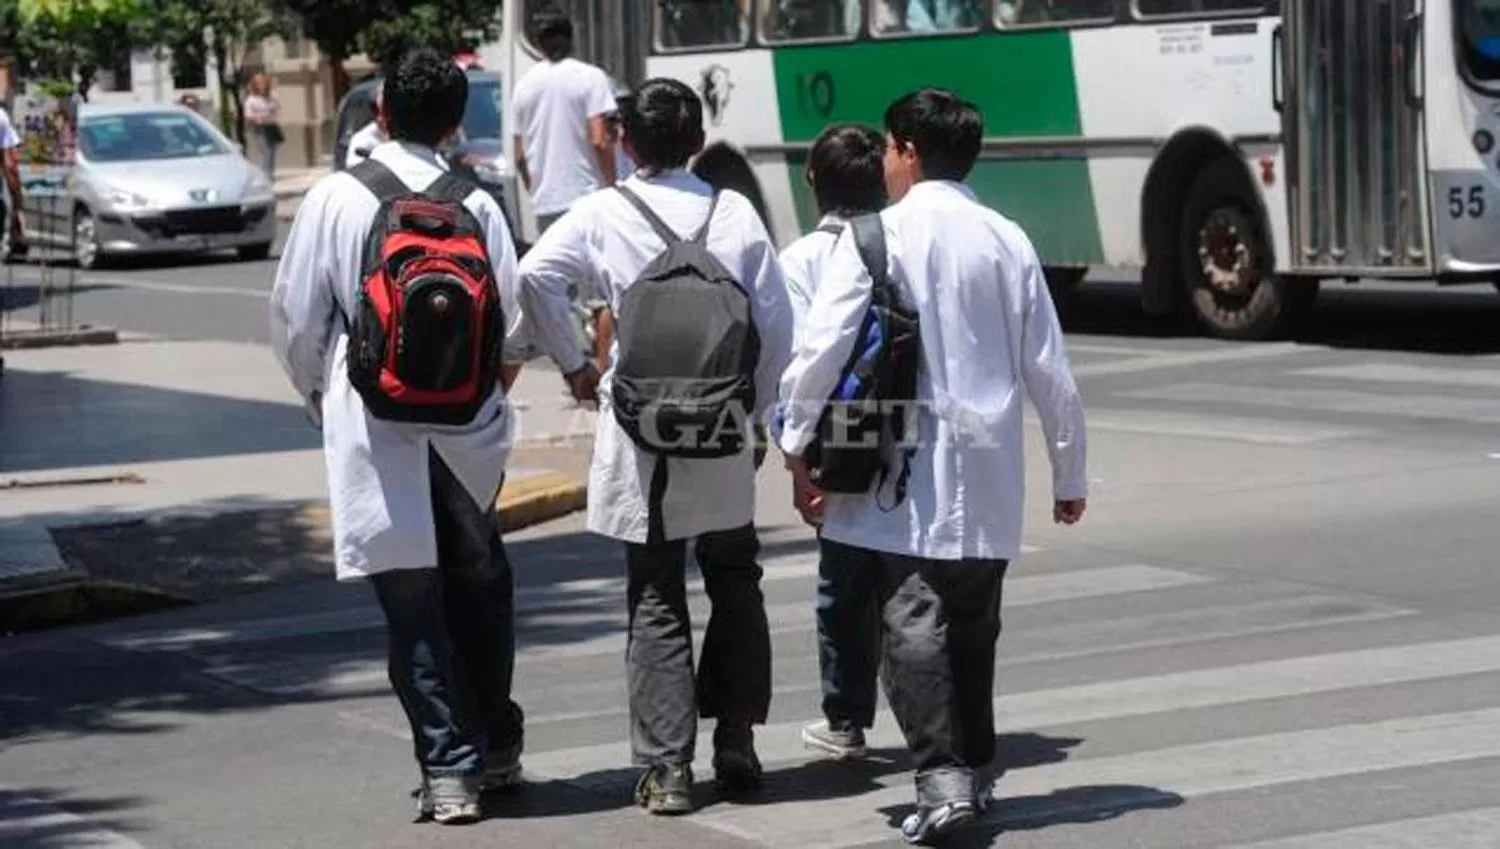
column 737, row 88
column 1023, row 82
column 1140, row 86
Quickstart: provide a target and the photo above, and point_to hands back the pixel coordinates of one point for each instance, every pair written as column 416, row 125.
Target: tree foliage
column 72, row 39
column 192, row 31
column 445, row 26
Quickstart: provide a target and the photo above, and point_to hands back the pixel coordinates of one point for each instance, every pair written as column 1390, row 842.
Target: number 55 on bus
column 1235, row 152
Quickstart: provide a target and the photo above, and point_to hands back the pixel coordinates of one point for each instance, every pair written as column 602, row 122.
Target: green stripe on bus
column 1024, row 84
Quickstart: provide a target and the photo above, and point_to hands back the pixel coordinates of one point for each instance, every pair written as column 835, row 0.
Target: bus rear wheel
column 1228, row 265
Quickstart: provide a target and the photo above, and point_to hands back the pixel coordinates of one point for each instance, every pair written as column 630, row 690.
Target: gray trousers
column 940, row 620
column 733, row 679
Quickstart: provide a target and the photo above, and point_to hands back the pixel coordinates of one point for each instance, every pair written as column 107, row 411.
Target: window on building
column 293, row 44
column 689, row 24
column 1164, row 8
column 1020, row 13
column 811, row 20
column 892, row 17
column 189, row 67
column 116, row 76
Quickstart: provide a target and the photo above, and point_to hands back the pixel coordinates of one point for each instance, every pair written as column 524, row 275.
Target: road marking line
column 1239, row 353
column 1230, row 428
column 1476, row 829
column 1430, row 407
column 1160, row 778
column 1402, row 373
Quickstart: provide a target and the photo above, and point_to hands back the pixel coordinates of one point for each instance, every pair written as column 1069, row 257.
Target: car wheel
column 86, row 251
column 254, row 253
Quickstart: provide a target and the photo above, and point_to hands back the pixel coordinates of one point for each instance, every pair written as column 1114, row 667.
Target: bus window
column 1165, row 8
column 1020, row 13
column 690, row 24
column 811, row 20
column 890, row 17
column 1479, row 37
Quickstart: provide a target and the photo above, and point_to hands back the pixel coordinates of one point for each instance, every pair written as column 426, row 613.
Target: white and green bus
column 1235, row 152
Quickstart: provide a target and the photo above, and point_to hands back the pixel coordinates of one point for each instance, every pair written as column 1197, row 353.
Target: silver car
column 153, row 179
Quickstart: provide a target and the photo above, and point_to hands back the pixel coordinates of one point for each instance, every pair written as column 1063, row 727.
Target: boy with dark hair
column 988, row 336
column 648, row 497
column 412, row 502
column 845, row 171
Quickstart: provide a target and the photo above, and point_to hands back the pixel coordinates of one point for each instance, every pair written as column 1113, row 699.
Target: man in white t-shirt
column 367, row 138
column 563, row 146
column 10, row 163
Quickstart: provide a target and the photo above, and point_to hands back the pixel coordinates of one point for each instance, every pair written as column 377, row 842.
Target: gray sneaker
column 448, row 800
column 842, row 744
column 928, row 824
column 666, row 790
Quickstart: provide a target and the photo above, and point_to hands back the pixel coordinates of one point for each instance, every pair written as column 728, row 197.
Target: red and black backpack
column 425, row 339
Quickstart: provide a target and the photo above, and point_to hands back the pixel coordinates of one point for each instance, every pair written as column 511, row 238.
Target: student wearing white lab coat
column 562, row 146
column 413, row 504
column 607, row 241
column 844, row 169
column 989, row 334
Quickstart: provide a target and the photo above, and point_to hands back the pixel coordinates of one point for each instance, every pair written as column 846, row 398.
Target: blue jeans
column 848, row 634
column 267, row 152
column 452, row 638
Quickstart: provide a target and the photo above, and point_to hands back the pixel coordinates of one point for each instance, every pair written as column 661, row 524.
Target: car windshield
column 482, row 113
column 146, row 135
column 1479, row 37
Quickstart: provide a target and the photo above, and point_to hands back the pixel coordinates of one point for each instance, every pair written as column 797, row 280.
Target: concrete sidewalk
column 291, row 184
column 168, row 438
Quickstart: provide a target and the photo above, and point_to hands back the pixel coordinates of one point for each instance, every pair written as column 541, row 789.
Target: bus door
column 1351, row 119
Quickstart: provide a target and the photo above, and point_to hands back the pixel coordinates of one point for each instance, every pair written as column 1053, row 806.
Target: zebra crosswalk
column 1122, row 688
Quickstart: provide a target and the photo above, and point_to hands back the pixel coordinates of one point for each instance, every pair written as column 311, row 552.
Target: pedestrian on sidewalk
column 846, row 172
column 704, row 332
column 263, row 113
column 413, row 487
column 988, row 335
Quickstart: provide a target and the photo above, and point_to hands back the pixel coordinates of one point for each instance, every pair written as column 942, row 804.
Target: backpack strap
column 701, row 238
column 869, row 238
column 379, row 179
column 660, row 226
column 831, row 229
column 451, row 187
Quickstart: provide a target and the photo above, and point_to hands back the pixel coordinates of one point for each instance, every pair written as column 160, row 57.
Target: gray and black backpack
column 684, row 376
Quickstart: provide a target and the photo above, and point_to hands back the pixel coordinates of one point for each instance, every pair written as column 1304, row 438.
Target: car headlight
column 258, row 189
column 124, row 199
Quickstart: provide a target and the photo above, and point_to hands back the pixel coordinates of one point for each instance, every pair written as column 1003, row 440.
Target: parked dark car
column 479, row 153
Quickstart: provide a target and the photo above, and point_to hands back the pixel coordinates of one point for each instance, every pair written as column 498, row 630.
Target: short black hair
column 425, row 98
column 552, row 32
column 664, row 123
column 946, row 130
column 847, row 171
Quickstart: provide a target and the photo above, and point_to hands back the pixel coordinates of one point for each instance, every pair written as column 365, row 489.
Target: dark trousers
column 940, row 621
column 452, row 638
column 733, row 681
column 848, row 612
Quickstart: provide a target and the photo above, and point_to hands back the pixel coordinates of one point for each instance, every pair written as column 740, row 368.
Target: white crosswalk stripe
column 1464, row 830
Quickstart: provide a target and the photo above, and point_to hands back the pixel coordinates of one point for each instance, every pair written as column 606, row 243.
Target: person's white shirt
column 603, row 241
column 366, row 139
column 9, row 138
column 378, row 469
column 989, row 335
column 803, row 264
column 554, row 102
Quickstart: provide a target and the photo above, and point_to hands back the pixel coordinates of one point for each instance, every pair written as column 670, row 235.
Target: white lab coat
column 802, row 263
column 603, row 241
column 989, row 331
column 378, row 470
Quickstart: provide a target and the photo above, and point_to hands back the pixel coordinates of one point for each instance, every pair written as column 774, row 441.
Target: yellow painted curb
column 539, row 498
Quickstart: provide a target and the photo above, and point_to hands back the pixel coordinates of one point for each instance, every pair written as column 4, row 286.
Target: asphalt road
column 1277, row 627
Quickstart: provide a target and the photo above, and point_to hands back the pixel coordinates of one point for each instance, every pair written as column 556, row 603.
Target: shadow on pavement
column 20, row 296
column 45, row 819
column 1420, row 318
column 55, row 420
